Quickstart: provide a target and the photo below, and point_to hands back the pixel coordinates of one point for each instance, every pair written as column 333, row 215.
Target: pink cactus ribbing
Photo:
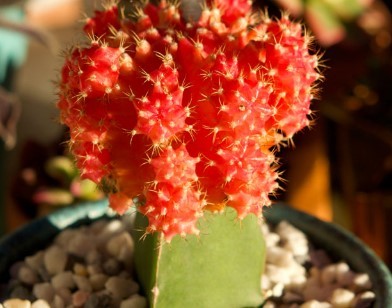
column 184, row 116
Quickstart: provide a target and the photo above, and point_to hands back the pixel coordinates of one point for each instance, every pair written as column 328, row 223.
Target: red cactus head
column 184, row 116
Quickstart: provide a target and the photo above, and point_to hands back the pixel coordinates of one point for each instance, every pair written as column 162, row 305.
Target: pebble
column 91, row 267
column 40, row 303
column 364, row 300
column 55, row 259
column 98, row 281
column 80, row 244
column 58, row 302
column 135, row 301
column 342, row 298
column 83, row 283
column 63, row 280
column 315, row 304
column 16, row 303
column 79, row 298
column 44, row 291
column 120, row 287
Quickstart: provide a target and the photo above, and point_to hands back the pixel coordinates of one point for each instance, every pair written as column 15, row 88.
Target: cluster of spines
column 184, row 115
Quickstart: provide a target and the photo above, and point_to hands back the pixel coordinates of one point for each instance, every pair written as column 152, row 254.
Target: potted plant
column 181, row 120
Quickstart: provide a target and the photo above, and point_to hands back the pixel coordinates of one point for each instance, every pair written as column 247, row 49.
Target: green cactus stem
column 219, row 268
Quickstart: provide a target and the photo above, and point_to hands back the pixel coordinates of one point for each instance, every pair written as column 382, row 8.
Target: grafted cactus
column 185, row 116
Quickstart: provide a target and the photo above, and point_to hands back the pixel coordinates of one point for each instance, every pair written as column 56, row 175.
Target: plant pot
column 339, row 243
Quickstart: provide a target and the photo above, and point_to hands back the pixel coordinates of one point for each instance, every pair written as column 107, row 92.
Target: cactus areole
column 185, row 116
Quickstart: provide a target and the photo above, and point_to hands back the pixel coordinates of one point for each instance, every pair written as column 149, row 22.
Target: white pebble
column 294, row 239
column 98, row 281
column 279, row 256
column 269, row 304
column 40, row 303
column 277, row 274
column 315, row 304
column 361, row 282
column 44, row 291
column 277, row 290
column 344, row 275
column 112, row 228
column 120, row 287
column 83, row 283
column 271, row 239
column 342, row 298
column 265, row 282
column 365, row 299
column 16, row 303
column 328, row 274
column 297, row 283
column 55, row 259
column 116, row 243
column 81, row 244
column 27, row 275
column 63, row 280
column 135, row 301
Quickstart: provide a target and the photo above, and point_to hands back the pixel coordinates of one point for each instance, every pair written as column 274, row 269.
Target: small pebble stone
column 63, row 280
column 135, row 301
column 364, row 300
column 40, row 303
column 98, row 281
column 16, row 303
column 83, row 283
column 315, row 304
column 27, row 275
column 79, row 298
column 81, row 244
column 361, row 282
column 58, row 302
column 115, row 245
column 44, row 291
column 121, row 288
column 55, row 259
column 342, row 298
column 80, row 270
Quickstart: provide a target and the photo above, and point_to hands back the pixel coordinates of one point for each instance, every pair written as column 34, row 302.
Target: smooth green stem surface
column 220, row 268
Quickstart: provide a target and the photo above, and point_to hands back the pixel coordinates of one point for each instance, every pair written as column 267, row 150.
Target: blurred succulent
column 48, row 179
column 71, row 187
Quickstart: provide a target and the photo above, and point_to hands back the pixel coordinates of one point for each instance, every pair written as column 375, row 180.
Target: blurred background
column 340, row 170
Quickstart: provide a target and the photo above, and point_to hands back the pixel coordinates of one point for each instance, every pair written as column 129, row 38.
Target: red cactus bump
column 185, row 116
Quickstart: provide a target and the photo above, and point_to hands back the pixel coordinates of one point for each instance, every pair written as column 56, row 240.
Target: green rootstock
column 220, row 268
